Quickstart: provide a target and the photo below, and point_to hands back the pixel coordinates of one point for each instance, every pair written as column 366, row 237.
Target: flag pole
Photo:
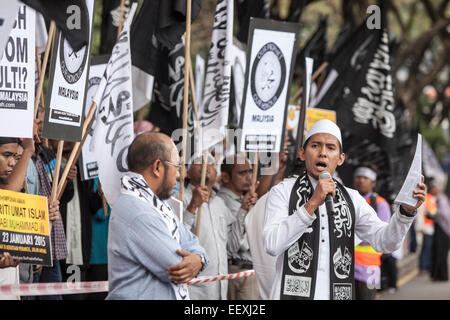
column 313, row 77
column 41, row 98
column 122, row 7
column 51, row 34
column 187, row 66
column 205, row 152
column 56, row 171
column 255, row 171
column 202, row 183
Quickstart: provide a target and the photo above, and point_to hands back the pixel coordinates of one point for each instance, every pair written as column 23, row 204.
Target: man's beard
column 165, row 190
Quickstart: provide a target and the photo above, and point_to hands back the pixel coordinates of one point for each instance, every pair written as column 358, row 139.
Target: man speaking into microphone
column 315, row 246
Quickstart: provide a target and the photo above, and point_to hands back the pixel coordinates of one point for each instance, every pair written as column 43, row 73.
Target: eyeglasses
column 176, row 165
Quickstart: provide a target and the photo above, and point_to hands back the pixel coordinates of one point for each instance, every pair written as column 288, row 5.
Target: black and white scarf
column 301, row 259
column 135, row 185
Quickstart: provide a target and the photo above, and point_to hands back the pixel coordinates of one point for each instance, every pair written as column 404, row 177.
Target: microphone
column 329, row 199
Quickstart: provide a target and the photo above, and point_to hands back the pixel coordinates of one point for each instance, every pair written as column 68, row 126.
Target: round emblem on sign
column 268, row 76
column 72, row 62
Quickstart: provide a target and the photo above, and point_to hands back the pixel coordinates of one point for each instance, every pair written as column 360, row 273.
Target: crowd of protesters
column 225, row 229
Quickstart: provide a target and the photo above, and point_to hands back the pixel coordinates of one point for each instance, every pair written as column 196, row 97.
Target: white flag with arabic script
column 216, row 94
column 114, row 118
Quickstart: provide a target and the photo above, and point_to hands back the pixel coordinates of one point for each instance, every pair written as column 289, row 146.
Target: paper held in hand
column 413, row 178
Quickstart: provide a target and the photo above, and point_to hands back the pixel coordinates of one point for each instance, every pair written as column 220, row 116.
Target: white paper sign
column 17, row 68
column 267, row 84
column 413, row 178
column 8, row 15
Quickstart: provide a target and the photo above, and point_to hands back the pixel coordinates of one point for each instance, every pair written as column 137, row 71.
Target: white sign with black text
column 17, row 68
column 266, row 93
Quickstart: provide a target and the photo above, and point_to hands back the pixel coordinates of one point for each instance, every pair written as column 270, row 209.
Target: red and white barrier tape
column 220, row 277
column 41, row 289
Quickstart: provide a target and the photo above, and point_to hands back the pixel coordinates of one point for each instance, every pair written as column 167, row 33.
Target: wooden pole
column 56, row 171
column 255, row 171
column 187, row 66
column 194, row 97
column 313, row 77
column 41, row 98
column 202, row 183
column 51, row 34
column 122, row 7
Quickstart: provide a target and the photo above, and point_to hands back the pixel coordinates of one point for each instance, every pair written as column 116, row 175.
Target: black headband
column 5, row 140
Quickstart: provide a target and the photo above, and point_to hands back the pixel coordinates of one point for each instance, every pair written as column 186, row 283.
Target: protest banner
column 24, row 227
column 88, row 163
column 315, row 114
column 8, row 15
column 270, row 56
column 17, row 68
column 67, row 87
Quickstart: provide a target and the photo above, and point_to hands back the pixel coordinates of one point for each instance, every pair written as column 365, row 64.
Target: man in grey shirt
column 151, row 255
column 238, row 195
column 216, row 222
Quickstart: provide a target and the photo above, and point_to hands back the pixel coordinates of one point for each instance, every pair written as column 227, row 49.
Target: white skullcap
column 325, row 126
column 197, row 159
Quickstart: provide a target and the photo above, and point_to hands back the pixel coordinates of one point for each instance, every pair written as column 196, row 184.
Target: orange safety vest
column 430, row 207
column 365, row 255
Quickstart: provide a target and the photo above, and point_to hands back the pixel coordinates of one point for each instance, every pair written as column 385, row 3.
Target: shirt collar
column 313, row 181
column 230, row 193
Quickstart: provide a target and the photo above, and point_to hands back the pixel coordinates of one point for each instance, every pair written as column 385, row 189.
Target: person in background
column 425, row 226
column 98, row 260
column 367, row 260
column 216, row 221
column 238, row 194
column 441, row 238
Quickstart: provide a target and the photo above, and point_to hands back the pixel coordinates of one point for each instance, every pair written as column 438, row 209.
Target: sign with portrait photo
column 270, row 60
column 67, row 86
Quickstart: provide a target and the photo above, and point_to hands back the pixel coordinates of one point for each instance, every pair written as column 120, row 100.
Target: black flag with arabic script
column 69, row 17
column 363, row 93
column 157, row 29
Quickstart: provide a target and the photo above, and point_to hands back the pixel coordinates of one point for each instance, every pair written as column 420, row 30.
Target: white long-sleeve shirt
column 281, row 230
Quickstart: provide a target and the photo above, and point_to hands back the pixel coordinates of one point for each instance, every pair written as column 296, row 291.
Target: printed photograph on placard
column 270, row 59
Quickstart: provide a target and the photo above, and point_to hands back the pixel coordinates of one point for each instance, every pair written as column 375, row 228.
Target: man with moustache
column 238, row 195
column 314, row 250
column 151, row 255
column 216, row 222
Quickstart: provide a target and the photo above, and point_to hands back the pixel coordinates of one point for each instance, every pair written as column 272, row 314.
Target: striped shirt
column 44, row 161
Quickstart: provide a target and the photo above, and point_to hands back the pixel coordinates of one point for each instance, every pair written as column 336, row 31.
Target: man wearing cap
column 314, row 248
column 367, row 260
column 216, row 221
